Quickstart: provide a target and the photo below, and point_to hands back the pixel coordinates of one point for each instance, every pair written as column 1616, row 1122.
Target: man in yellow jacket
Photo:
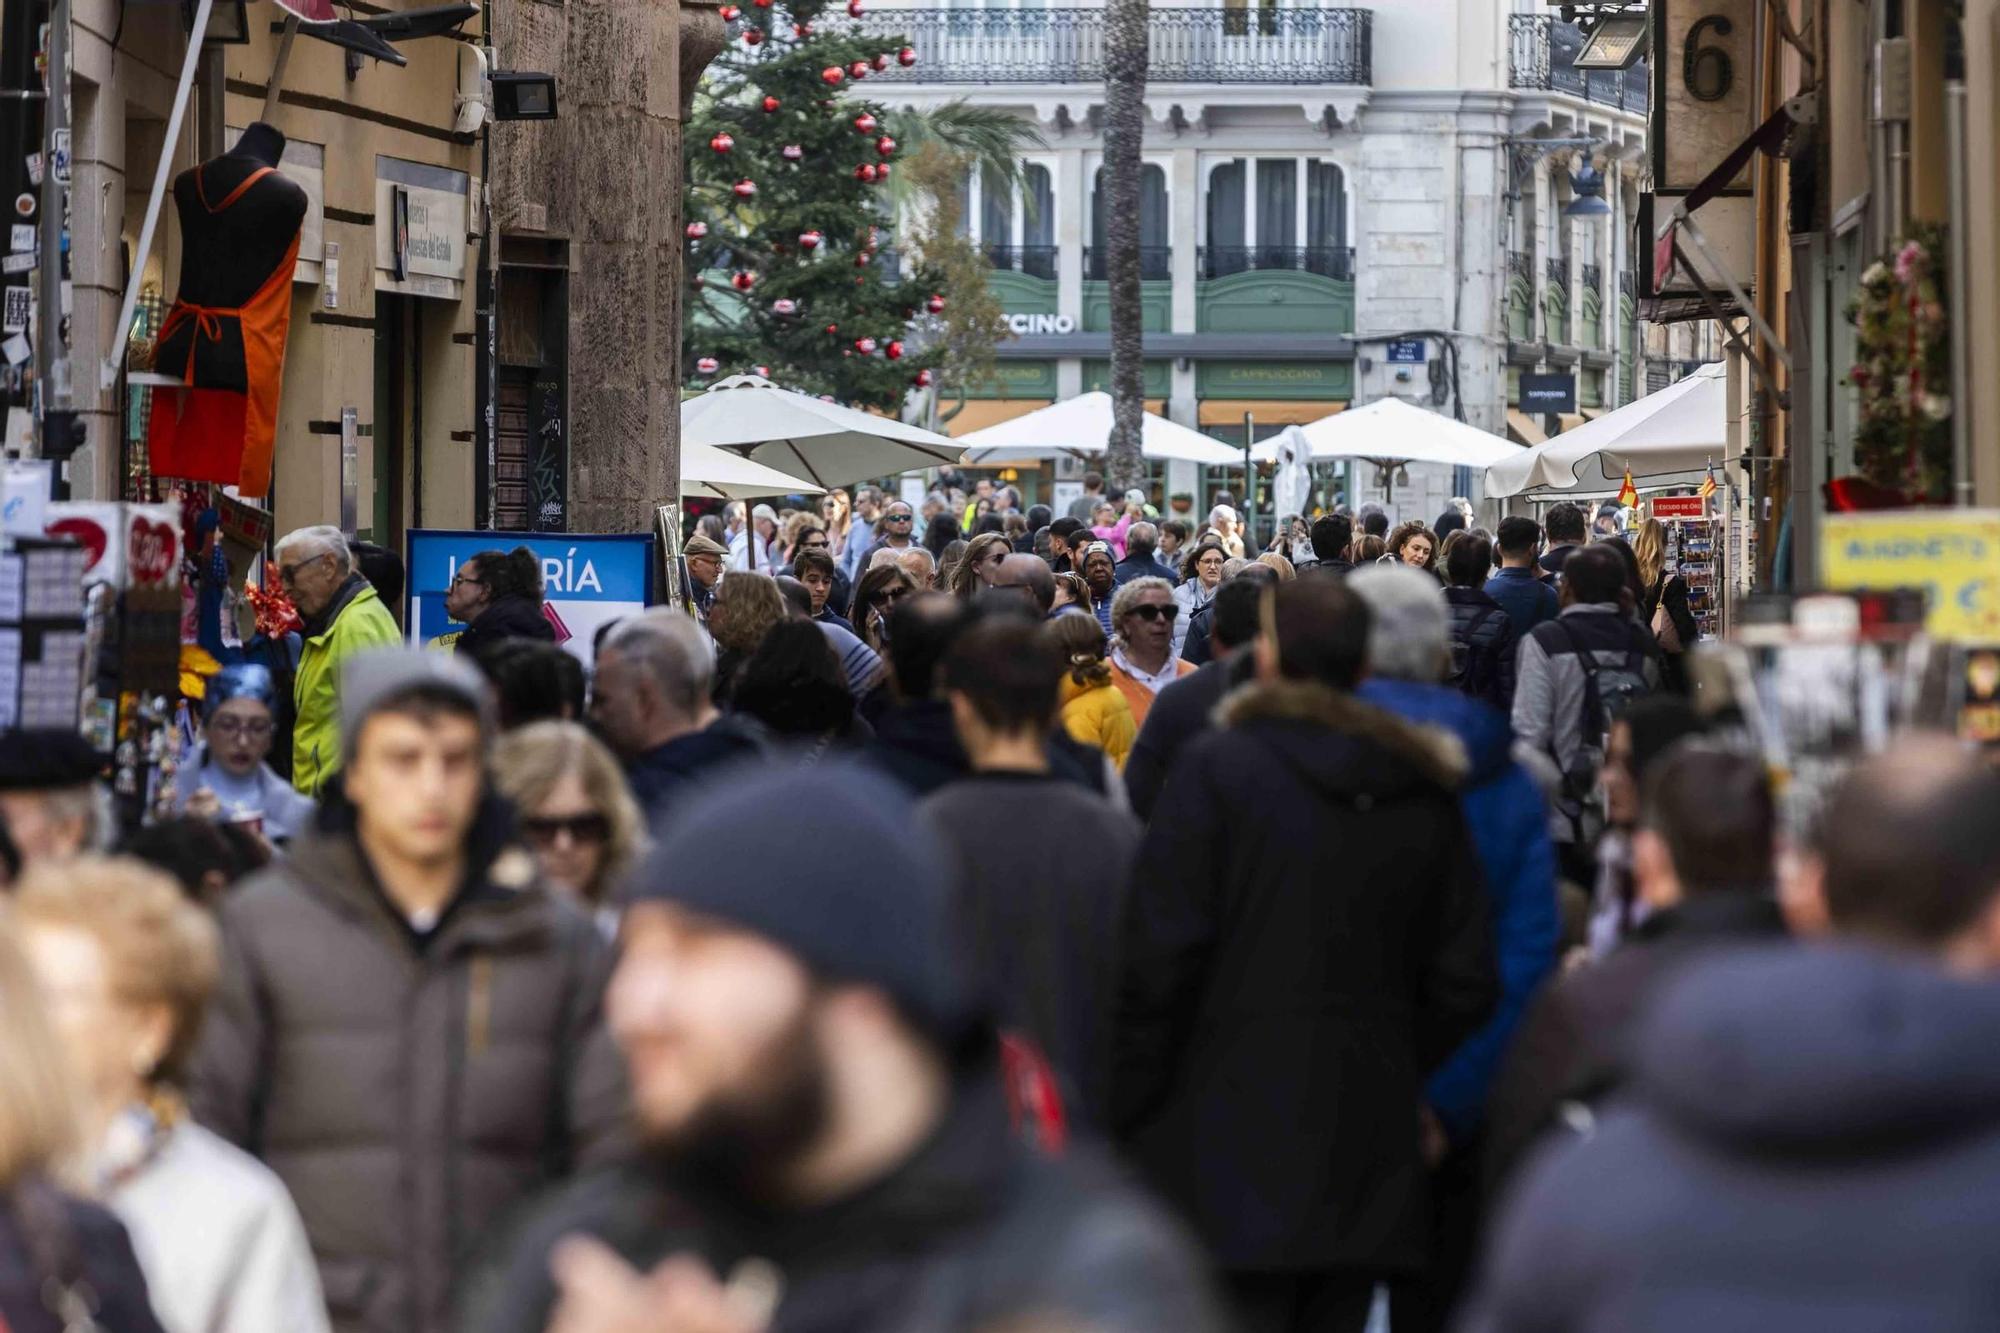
column 342, row 616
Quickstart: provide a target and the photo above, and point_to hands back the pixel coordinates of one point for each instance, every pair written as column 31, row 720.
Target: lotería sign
column 1023, row 325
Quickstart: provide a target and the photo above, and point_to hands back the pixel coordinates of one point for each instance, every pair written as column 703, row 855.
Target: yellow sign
column 1952, row 554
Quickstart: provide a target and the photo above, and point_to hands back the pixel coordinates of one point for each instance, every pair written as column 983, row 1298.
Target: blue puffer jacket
column 1510, row 829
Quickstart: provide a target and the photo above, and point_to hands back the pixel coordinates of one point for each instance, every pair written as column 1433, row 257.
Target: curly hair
column 1408, row 532
column 751, row 604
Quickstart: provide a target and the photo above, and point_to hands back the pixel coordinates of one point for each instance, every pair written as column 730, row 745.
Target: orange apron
column 202, row 432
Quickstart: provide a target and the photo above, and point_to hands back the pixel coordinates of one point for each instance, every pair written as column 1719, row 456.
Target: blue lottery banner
column 588, row 580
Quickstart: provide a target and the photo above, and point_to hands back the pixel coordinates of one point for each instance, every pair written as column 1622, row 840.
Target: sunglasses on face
column 889, row 597
column 580, row 828
column 1148, row 612
column 899, row 518
column 812, row 544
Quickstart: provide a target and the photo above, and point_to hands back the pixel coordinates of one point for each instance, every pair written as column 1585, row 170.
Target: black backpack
column 1475, row 666
column 1607, row 691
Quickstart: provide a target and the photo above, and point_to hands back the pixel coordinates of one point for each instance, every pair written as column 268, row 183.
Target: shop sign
column 589, row 580
column 1022, row 326
column 1670, row 507
column 1543, row 393
column 422, row 215
column 1953, row 555
column 1328, row 380
column 1020, row 379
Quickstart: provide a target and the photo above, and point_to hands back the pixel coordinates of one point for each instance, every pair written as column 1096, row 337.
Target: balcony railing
column 1521, row 264
column 1037, row 261
column 1628, row 283
column 1558, row 274
column 1543, row 55
column 1329, row 261
column 1184, row 45
column 1593, row 278
column 1156, row 263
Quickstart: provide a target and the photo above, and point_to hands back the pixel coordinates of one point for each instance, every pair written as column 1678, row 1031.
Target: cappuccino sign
column 1023, row 325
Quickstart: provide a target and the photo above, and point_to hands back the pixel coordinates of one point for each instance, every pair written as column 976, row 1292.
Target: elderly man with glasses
column 342, row 616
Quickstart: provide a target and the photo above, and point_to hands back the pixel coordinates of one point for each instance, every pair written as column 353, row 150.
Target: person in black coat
column 1484, row 641
column 1184, row 709
column 1305, row 939
column 497, row 595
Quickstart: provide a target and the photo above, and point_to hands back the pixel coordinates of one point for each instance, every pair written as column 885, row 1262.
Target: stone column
column 607, row 176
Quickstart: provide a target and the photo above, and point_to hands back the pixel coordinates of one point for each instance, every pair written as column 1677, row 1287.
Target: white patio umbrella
column 1390, row 430
column 804, row 436
column 1680, row 429
column 721, row 475
column 1082, row 426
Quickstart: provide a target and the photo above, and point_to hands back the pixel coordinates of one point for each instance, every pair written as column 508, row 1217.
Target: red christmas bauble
column 730, row 13
column 885, row 145
column 865, row 346
column 907, row 56
column 784, row 305
column 753, row 36
column 744, row 188
column 861, row 260
column 791, row 152
column 935, row 305
column 924, row 378
column 858, row 70
column 722, row 143
column 771, row 104
column 743, row 280
column 882, row 172
column 809, row 240
column 865, row 173
column 894, row 351
column 761, row 4
column 802, row 30
column 854, row 9
column 832, row 74
column 833, row 328
column 865, row 123
column 708, row 365
column 696, row 230
column 880, row 62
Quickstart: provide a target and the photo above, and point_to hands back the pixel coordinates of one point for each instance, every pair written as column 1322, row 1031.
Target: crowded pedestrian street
column 872, row 666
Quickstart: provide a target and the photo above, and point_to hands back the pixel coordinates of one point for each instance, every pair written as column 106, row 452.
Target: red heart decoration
column 150, row 552
column 87, row 531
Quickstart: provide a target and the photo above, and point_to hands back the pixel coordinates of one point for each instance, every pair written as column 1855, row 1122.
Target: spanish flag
column 1628, row 494
column 1708, row 481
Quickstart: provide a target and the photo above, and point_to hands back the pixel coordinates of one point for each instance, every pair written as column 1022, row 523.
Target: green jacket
column 362, row 623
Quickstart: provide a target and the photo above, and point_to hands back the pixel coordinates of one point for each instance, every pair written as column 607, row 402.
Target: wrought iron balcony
column 1521, row 264
column 1185, row 45
column 1593, row 278
column 1329, row 261
column 1156, row 263
column 1543, row 56
column 1558, row 273
column 1037, row 261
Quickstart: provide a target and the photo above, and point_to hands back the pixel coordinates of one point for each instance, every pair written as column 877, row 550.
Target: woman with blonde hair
column 1663, row 604
column 977, row 568
column 1093, row 710
column 836, row 511
column 1366, row 550
column 1286, row 570
column 127, row 965
column 1071, row 590
column 745, row 607
column 575, row 812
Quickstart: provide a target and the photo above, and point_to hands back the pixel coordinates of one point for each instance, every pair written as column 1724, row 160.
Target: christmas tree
column 788, row 224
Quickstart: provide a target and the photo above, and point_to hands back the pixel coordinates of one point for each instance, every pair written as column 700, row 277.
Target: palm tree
column 1125, row 23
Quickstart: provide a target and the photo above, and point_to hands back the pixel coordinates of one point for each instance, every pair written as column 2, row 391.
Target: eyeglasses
column 1149, row 612
column 290, row 573
column 255, row 728
column 580, row 828
column 463, row 577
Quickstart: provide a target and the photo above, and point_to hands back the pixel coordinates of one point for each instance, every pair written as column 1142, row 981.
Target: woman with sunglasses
column 876, row 595
column 226, row 778
column 836, row 511
column 1143, row 663
column 979, row 566
column 575, row 812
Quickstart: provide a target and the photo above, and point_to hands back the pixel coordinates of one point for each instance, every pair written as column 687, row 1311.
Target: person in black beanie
column 817, row 1089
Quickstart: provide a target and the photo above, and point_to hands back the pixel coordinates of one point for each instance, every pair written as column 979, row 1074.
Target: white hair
column 320, row 539
column 1221, row 512
column 1410, row 636
column 669, row 648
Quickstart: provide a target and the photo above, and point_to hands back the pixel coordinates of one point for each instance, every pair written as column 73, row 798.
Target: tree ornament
column 743, row 280
column 907, row 56
column 894, row 351
column 882, row 172
column 865, row 173
column 809, row 240
column 729, row 13
column 761, row 4
column 854, row 9
column 708, row 365
column 696, row 230
column 858, row 70
column 885, row 145
column 784, row 305
column 832, row 75
column 833, row 328
column 753, row 36
column 802, row 30
column 765, row 371
column 696, row 281
column 791, row 152
column 936, row 304
column 924, row 379
column 722, row 143
column 862, row 261
column 865, row 346
column 771, row 104
column 744, row 188
column 865, row 123
column 880, row 62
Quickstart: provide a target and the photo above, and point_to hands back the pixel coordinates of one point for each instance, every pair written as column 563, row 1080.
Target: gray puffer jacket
column 407, row 1092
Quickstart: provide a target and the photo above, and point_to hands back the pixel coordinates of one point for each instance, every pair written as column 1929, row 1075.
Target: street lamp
column 1587, row 191
column 519, row 95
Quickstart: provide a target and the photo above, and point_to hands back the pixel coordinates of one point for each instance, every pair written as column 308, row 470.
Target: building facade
column 1340, row 204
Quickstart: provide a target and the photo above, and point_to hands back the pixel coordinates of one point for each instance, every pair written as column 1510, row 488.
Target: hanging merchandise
column 224, row 338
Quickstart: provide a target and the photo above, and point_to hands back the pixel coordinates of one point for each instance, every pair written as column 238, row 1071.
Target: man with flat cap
column 51, row 799
column 705, row 559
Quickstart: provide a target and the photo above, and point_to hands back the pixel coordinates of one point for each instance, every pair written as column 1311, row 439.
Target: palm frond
column 990, row 139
